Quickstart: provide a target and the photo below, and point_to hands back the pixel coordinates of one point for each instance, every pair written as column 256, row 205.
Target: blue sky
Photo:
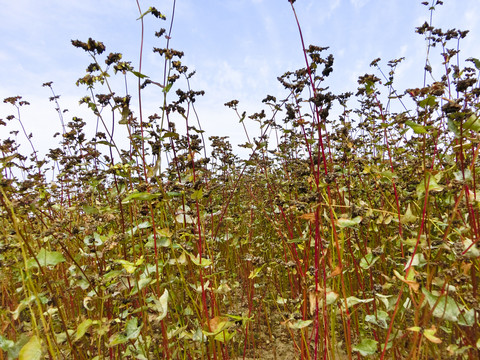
column 237, row 47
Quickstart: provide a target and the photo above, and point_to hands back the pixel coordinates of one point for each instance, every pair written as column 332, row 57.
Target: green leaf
column 331, row 297
column 142, row 283
column 199, row 336
column 445, row 307
column 472, row 123
column 164, row 242
column 418, row 260
column 174, row 193
column 368, row 261
column 248, row 146
column 89, row 210
column 369, row 87
column 129, row 266
column 97, row 239
column 125, row 114
column 418, row 129
column 432, row 185
column 415, row 328
column 82, row 329
column 14, row 351
column 7, row 159
column 139, row 75
column 223, row 289
column 381, row 319
column 467, row 318
column 111, row 275
column 254, row 273
column 170, row 134
column 150, row 9
column 32, row 350
column 197, row 195
column 366, row 347
column 167, row 88
column 142, row 196
column 243, row 319
column 143, row 225
column 297, row 241
column 453, row 127
column 473, row 251
column 5, row 344
column 475, row 61
column 224, row 336
column 430, row 101
column 61, row 337
column 132, row 329
column 204, row 263
column 93, row 107
column 104, row 142
column 161, row 305
column 428, row 333
column 184, row 218
column 198, row 286
column 387, row 300
column 118, row 338
column 459, row 175
column 346, row 223
column 181, row 260
column 388, row 174
column 352, row 300
column 46, row 258
column 165, row 232
column 299, row 324
column 408, row 217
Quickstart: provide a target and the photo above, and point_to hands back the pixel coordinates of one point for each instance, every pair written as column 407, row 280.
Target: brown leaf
column 215, row 322
column 412, row 284
column 466, row 268
column 337, row 271
column 309, row 216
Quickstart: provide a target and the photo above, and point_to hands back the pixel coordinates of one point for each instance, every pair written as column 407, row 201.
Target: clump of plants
column 346, row 233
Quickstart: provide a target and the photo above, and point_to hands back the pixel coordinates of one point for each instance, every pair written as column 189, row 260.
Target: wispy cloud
column 237, row 47
column 359, row 3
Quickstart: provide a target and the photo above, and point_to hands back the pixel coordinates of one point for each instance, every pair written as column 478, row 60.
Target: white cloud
column 238, row 47
column 359, row 3
column 333, row 5
column 228, row 77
